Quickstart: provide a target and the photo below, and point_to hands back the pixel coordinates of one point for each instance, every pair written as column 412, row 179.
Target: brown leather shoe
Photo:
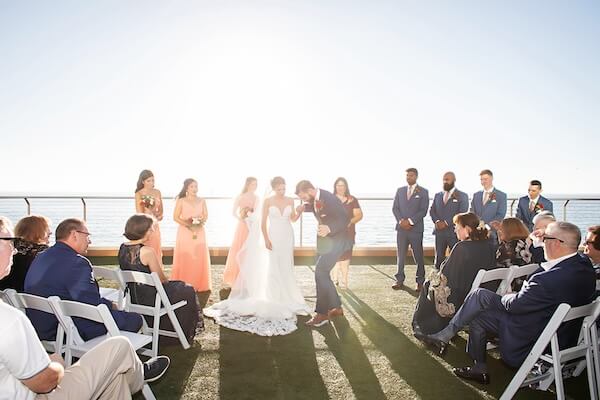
column 419, row 287
column 397, row 286
column 317, row 321
column 335, row 312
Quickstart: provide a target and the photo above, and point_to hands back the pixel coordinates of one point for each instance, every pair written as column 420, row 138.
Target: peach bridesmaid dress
column 191, row 260
column 232, row 265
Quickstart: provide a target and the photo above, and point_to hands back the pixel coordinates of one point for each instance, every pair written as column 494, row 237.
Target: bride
column 265, row 298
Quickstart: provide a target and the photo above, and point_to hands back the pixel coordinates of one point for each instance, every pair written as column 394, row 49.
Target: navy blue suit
column 457, row 203
column 414, row 208
column 523, row 213
column 518, row 319
column 61, row 271
column 329, row 211
column 493, row 210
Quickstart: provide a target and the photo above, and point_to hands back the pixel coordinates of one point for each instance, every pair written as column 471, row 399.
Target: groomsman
column 532, row 204
column 446, row 204
column 489, row 204
column 410, row 207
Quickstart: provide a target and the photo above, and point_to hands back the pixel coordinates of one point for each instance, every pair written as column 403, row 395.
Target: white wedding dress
column 265, row 297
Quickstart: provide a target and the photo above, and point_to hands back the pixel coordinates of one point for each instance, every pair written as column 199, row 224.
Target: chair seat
column 137, row 340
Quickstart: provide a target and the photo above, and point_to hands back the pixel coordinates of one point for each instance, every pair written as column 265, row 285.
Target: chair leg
column 558, row 380
column 147, row 392
column 155, row 334
column 178, row 330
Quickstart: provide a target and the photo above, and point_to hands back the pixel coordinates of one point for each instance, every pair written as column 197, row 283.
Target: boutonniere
column 319, row 205
column 454, row 197
column 493, row 197
column 417, row 190
column 538, row 208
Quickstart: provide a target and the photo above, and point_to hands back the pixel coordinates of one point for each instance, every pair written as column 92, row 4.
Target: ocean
column 106, row 219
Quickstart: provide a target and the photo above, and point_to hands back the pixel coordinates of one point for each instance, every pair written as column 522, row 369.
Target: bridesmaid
column 148, row 200
column 341, row 190
column 246, row 201
column 191, row 260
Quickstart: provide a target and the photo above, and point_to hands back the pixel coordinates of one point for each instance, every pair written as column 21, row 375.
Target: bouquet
column 196, row 224
column 244, row 211
column 147, row 201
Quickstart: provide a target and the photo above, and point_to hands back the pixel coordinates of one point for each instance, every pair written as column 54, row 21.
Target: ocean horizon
column 106, row 217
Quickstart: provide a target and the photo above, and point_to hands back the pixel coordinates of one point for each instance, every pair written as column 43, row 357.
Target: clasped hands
column 405, row 224
column 440, row 225
column 323, row 230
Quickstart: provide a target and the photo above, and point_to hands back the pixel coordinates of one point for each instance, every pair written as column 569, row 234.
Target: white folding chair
column 498, row 274
column 8, row 296
column 520, row 272
column 162, row 306
column 558, row 360
column 113, row 294
column 32, row 302
column 76, row 346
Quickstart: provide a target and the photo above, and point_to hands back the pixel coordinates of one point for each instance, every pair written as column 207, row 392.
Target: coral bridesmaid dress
column 191, row 260
column 232, row 265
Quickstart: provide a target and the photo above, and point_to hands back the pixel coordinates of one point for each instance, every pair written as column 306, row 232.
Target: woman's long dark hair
column 184, row 189
column 345, row 182
column 145, row 174
column 478, row 229
column 249, row 180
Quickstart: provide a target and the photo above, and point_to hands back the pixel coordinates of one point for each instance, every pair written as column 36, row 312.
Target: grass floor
column 368, row 354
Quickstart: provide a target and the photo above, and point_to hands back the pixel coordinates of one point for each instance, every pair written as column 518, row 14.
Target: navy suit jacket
column 571, row 281
column 457, row 203
column 414, row 208
column 61, row 271
column 493, row 210
column 526, row 216
column 330, row 211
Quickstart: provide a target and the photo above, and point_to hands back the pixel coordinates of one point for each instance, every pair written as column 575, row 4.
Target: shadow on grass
column 405, row 288
column 425, row 375
column 347, row 349
column 256, row 367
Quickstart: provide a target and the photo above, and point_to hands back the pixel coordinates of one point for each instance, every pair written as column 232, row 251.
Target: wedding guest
column 518, row 319
column 111, row 370
column 410, row 207
column 446, row 204
column 339, row 273
column 536, row 246
column 63, row 271
column 447, row 288
column 591, row 248
column 513, row 248
column 489, row 204
column 148, row 200
column 244, row 203
column 33, row 236
column 532, row 204
column 191, row 259
column 134, row 255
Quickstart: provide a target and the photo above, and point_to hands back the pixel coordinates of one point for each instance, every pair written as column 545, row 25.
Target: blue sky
column 93, row 92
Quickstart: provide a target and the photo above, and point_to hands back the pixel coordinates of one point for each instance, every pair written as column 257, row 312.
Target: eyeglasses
column 85, row 233
column 544, row 238
column 8, row 238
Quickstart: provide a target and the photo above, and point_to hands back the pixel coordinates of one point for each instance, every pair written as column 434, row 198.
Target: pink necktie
column 531, row 205
column 409, row 193
column 446, row 195
column 486, row 197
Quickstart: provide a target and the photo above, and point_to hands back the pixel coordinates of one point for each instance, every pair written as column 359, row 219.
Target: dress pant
column 444, row 239
column 111, row 370
column 327, row 297
column 415, row 239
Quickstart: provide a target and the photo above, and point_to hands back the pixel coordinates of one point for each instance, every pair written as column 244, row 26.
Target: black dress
column 26, row 252
column 460, row 268
column 188, row 315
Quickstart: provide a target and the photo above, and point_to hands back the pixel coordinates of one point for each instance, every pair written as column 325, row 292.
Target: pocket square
column 454, row 201
column 493, row 201
column 417, row 196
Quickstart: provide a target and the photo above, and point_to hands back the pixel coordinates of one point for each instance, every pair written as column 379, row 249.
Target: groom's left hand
column 323, row 230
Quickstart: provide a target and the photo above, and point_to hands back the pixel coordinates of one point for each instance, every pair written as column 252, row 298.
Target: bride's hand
column 300, row 209
column 268, row 244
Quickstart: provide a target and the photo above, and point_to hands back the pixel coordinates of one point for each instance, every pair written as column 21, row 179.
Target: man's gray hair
column 568, row 232
column 543, row 216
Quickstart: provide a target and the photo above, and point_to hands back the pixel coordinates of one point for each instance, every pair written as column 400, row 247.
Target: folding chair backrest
column 33, row 302
column 9, row 296
column 111, row 274
column 525, row 270
column 497, row 274
column 99, row 313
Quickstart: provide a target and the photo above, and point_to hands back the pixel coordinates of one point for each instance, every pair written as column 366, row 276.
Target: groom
column 332, row 241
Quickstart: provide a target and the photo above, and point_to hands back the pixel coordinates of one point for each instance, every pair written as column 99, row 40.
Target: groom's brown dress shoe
column 467, row 373
column 317, row 321
column 335, row 312
column 397, row 285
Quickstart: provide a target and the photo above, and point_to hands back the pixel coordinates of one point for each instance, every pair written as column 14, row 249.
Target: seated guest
column 536, row 247
column 591, row 248
column 63, row 271
column 532, row 204
column 518, row 319
column 446, row 289
column 111, row 370
column 513, row 248
column 33, row 234
column 136, row 256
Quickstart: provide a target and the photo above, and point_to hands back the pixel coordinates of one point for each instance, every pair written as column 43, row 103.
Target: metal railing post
column 28, row 205
column 301, row 219
column 565, row 209
column 84, row 209
column 512, row 204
